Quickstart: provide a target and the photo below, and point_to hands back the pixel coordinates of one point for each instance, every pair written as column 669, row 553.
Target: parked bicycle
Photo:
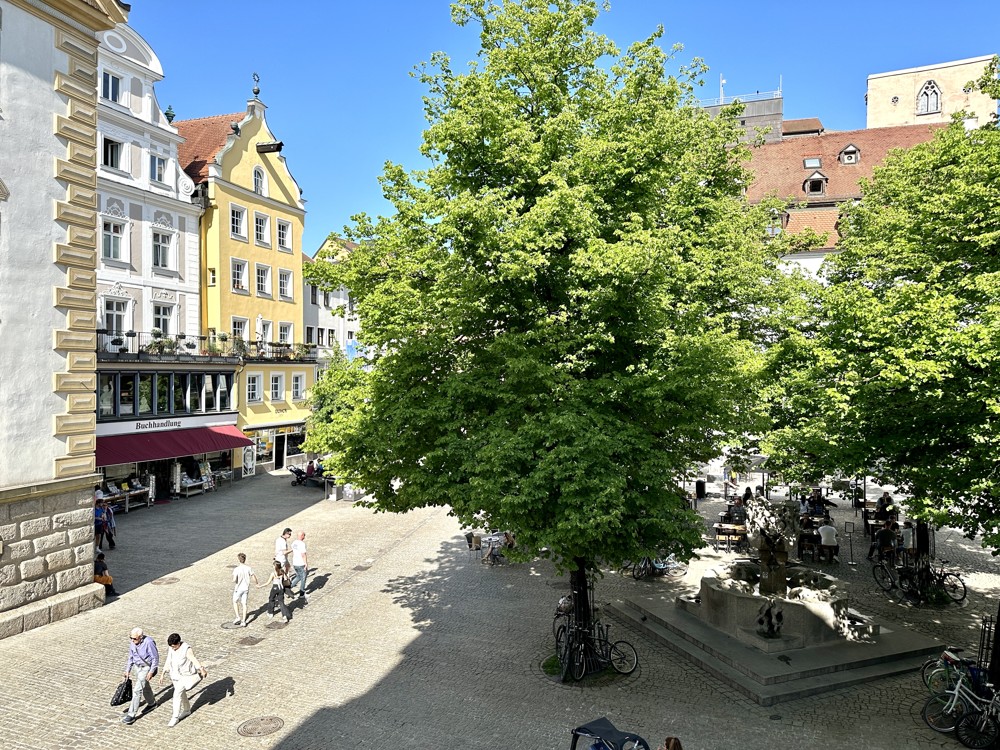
column 579, row 648
column 916, row 584
column 942, row 712
column 661, row 566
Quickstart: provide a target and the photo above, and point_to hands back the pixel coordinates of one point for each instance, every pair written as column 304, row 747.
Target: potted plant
column 223, row 337
column 117, row 341
column 189, row 344
column 130, row 334
column 156, row 333
column 181, row 336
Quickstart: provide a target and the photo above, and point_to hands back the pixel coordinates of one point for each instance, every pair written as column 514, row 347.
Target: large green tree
column 560, row 317
column 900, row 375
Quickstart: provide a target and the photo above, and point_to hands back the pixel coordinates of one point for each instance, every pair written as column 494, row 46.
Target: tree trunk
column 581, row 595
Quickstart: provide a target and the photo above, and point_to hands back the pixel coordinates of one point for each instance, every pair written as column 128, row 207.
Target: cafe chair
column 826, row 553
column 475, row 546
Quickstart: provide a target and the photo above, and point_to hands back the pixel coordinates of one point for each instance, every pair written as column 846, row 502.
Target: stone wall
column 47, row 556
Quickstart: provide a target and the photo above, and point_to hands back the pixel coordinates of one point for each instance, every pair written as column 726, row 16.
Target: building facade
column 928, row 94
column 251, row 260
column 331, row 320
column 48, row 260
column 166, row 406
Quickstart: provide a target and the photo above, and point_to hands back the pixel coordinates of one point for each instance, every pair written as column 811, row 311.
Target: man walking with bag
column 143, row 662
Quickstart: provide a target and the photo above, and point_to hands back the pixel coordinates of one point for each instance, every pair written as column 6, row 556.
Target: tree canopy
column 569, row 306
column 900, row 375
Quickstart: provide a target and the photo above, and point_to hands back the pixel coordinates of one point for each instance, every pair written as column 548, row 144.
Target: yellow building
column 251, row 273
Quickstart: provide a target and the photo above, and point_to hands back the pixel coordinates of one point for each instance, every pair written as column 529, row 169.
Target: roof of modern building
column 780, row 168
column 203, row 139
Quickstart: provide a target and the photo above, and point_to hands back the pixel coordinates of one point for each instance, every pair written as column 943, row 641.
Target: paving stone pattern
column 408, row 643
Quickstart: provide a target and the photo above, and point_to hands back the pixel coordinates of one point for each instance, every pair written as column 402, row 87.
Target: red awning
column 151, row 446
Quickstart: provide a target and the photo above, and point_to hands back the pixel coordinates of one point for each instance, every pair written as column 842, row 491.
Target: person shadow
column 213, row 693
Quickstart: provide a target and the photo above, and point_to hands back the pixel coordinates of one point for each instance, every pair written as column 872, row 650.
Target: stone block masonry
column 47, row 558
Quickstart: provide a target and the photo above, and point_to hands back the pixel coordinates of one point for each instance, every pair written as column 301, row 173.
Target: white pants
column 181, row 703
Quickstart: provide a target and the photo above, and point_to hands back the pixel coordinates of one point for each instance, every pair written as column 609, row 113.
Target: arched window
column 929, row 99
column 259, row 182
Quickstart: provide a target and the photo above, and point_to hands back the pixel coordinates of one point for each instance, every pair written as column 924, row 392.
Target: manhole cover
column 250, row 641
column 231, row 567
column 229, row 625
column 278, row 625
column 260, row 727
column 165, row 581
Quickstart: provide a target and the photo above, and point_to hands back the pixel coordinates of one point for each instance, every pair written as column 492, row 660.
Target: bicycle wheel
column 937, row 716
column 641, row 568
column 561, row 638
column 929, row 666
column 579, row 659
column 953, row 586
column 940, row 680
column 883, row 577
column 977, row 729
column 623, row 657
column 676, row 570
column 559, row 621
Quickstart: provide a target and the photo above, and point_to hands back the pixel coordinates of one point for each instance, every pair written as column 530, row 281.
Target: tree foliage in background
column 566, row 311
column 901, row 374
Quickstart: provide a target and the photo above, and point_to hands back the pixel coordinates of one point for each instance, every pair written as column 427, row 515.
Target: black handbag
column 123, row 693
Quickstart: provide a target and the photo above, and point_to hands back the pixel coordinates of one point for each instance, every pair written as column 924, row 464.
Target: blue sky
column 335, row 74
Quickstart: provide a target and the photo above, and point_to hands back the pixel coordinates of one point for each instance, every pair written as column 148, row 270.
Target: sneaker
column 173, row 722
column 288, row 619
column 243, row 624
column 184, row 715
column 270, row 614
column 237, row 621
column 128, row 719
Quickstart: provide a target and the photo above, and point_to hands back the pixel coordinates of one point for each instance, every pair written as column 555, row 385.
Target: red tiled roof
column 203, row 139
column 805, row 125
column 778, row 167
column 820, row 220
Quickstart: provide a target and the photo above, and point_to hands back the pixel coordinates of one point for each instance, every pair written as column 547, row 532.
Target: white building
column 330, row 318
column 148, row 263
column 48, row 246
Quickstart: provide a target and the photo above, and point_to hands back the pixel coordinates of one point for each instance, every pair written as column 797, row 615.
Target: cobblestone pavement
column 408, row 643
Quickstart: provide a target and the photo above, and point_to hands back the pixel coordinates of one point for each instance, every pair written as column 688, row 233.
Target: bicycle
column 980, row 729
column 668, row 566
column 949, row 582
column 942, row 712
column 938, row 674
column 563, row 616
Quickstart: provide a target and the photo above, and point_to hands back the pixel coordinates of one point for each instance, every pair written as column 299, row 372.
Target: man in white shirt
column 242, row 574
column 828, row 538
column 300, row 563
column 281, row 549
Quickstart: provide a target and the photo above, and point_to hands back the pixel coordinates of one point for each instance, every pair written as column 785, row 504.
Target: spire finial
column 256, row 88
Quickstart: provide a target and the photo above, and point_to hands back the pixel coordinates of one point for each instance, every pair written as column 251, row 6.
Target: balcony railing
column 143, row 345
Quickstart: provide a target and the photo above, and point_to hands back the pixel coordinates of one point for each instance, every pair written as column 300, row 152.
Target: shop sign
column 161, row 424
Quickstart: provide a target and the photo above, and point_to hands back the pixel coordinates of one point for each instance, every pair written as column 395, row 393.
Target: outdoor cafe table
column 728, row 531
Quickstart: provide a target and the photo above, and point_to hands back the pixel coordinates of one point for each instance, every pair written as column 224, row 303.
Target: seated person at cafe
column 738, row 514
column 508, row 540
column 818, row 503
column 807, row 535
column 884, row 542
column 804, row 507
column 828, row 538
column 884, row 508
column 310, row 469
column 319, row 467
column 908, row 542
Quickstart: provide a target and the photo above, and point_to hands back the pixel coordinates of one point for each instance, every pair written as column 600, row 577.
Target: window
column 351, row 304
column 239, row 329
column 850, row 155
column 211, row 277
column 211, row 383
column 239, row 273
column 253, row 388
column 350, row 335
column 259, row 184
column 319, row 336
column 237, row 222
column 157, row 168
column 929, row 99
column 309, row 334
column 265, row 331
column 326, row 299
column 261, row 230
column 162, row 315
column 197, row 388
column 813, row 162
column 225, row 386
column 111, row 246
column 815, row 184
column 278, row 387
column 114, row 315
column 298, row 387
column 284, row 333
column 111, row 86
column 264, row 280
column 284, row 235
column 111, row 156
column 312, row 293
column 285, row 284
column 180, row 392
column 161, row 249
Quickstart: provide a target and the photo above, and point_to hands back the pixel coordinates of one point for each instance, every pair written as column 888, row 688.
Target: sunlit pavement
column 408, row 643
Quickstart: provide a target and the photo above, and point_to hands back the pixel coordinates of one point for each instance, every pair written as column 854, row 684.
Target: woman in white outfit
column 185, row 673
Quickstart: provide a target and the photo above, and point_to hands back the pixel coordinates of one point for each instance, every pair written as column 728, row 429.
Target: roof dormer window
column 815, row 184
column 929, row 99
column 850, row 154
